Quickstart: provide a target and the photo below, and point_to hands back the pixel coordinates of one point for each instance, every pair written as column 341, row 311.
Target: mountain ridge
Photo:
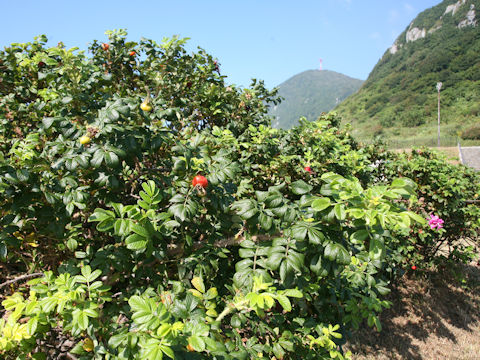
column 310, row 93
column 399, row 97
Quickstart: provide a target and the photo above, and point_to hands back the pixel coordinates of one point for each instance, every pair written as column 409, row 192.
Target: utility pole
column 439, row 86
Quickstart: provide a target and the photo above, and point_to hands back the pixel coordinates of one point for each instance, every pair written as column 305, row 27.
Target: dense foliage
column 445, row 190
column 400, row 92
column 174, row 222
column 309, row 94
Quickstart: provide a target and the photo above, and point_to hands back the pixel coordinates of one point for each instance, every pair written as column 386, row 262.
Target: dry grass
column 431, row 319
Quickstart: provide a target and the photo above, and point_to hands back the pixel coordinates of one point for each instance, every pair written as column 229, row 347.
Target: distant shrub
column 377, row 130
column 472, row 133
column 412, row 118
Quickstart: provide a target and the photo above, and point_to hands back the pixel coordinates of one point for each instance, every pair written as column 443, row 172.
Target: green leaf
column 140, row 230
column 321, row 204
column 167, row 351
column 101, row 215
column 111, row 159
column 274, row 200
column 359, row 236
column 265, row 221
column 300, row 187
column 32, row 325
column 245, row 208
column 197, row 343
column 136, row 242
column 153, row 350
column 48, row 121
column 299, row 232
column 336, row 252
column 3, row 252
column 246, row 253
column 198, row 284
column 122, row 227
column 377, row 249
column 138, row 303
column 211, row 293
column 274, row 260
column 106, row 225
column 97, row 158
column 278, row 351
column 404, row 183
column 284, row 302
column 81, row 319
column 315, row 236
column 293, row 293
column 179, row 211
column 66, row 99
column 115, row 340
column 417, row 218
column 339, row 211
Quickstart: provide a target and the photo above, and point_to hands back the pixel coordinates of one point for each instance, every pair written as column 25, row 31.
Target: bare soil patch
column 434, row 316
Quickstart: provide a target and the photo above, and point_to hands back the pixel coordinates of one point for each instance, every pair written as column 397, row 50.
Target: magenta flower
column 435, row 222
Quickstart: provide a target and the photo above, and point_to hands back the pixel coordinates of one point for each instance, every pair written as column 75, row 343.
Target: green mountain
column 309, row 94
column 399, row 98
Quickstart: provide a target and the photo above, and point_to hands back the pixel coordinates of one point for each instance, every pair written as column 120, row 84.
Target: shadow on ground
column 433, row 316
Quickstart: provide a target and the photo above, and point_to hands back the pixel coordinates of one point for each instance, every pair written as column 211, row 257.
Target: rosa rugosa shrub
column 287, row 249
column 446, row 191
column 97, row 157
column 48, row 173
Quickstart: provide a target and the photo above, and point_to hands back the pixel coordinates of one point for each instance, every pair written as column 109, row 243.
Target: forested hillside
column 309, row 94
column 399, row 98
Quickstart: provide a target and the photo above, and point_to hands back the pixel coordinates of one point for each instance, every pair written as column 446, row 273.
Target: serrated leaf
column 140, row 230
column 300, row 187
column 315, row 236
column 136, row 242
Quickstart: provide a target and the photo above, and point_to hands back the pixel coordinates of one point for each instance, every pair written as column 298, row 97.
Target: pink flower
column 435, row 222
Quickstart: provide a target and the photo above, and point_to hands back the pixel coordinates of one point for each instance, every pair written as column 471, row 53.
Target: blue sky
column 263, row 39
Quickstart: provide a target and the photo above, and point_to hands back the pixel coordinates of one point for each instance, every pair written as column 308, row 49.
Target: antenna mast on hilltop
column 321, row 65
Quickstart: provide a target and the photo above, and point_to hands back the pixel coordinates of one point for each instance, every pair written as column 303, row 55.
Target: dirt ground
column 434, row 316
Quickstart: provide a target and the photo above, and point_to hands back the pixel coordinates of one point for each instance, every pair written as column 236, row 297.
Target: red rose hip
column 308, row 169
column 414, row 267
column 200, row 180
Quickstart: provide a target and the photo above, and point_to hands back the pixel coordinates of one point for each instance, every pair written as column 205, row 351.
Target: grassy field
column 434, row 316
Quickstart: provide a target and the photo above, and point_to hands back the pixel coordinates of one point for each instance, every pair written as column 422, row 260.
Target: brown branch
column 175, row 250
column 20, row 278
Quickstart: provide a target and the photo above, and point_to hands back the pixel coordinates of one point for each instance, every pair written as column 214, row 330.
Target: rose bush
column 185, row 226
